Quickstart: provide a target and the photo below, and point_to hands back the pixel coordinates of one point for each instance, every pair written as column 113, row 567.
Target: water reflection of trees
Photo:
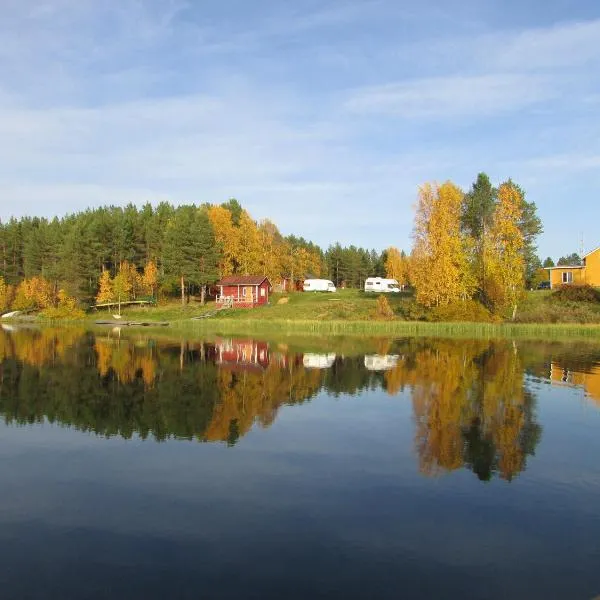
column 472, row 409
column 471, row 403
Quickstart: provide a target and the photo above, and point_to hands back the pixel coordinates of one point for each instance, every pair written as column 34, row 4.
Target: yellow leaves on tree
column 105, row 288
column 258, row 249
column 122, row 285
column 503, row 250
column 6, row 293
column 396, row 266
column 35, row 293
column 271, row 248
column 439, row 264
column 150, row 278
column 227, row 237
column 65, row 308
column 249, row 250
column 127, row 283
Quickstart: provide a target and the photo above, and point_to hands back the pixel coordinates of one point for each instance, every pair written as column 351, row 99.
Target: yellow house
column 587, row 273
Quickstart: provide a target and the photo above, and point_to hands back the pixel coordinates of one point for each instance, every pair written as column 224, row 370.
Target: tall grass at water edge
column 393, row 328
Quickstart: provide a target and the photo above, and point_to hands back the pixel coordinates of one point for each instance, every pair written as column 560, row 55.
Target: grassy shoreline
column 393, row 328
column 351, row 313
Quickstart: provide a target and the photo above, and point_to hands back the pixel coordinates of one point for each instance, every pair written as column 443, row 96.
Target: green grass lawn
column 352, row 305
column 352, row 312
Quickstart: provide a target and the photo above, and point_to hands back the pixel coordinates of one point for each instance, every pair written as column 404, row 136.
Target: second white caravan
column 318, row 285
column 379, row 284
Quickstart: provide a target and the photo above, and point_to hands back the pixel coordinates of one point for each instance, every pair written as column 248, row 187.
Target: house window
column 567, row 277
column 262, row 292
column 244, row 292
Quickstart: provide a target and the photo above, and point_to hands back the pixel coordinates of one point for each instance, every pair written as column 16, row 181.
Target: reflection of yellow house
column 590, row 381
column 587, row 273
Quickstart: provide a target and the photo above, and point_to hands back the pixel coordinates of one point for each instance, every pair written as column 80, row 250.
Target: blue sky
column 324, row 116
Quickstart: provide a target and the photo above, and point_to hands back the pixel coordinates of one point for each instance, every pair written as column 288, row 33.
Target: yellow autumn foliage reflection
column 470, row 402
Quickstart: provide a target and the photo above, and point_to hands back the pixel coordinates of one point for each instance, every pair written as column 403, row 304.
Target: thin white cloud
column 565, row 163
column 443, row 97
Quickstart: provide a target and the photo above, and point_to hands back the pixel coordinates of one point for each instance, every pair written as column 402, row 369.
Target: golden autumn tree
column 249, row 249
column 122, row 285
column 65, row 308
column 134, row 279
column 5, row 295
column 105, row 288
column 34, row 293
column 440, row 268
column 395, row 266
column 150, row 278
column 226, row 236
column 503, row 253
column 272, row 249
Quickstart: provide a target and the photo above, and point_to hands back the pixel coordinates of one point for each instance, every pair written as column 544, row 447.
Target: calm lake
column 136, row 466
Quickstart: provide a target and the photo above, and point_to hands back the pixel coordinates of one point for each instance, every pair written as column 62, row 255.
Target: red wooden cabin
column 244, row 291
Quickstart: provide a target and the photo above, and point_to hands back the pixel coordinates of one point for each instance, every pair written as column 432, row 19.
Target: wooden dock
column 124, row 303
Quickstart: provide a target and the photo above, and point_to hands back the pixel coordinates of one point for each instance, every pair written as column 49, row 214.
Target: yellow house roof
column 592, row 252
column 565, row 267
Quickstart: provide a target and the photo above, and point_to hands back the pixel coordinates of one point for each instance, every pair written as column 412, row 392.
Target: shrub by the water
column 467, row 310
column 383, row 309
column 576, row 293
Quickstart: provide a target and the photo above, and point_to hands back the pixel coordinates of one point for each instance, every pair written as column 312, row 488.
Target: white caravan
column 318, row 361
column 381, row 362
column 318, row 285
column 379, row 284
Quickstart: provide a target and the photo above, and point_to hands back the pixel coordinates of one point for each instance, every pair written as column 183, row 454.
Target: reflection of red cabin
column 244, row 291
column 245, row 354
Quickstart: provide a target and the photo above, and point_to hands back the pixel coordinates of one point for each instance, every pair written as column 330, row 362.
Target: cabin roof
column 243, row 280
column 565, row 267
column 592, row 252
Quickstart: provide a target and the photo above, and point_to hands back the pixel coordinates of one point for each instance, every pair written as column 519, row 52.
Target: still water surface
column 140, row 467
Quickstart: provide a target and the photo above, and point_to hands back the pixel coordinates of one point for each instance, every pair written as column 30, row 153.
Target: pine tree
column 190, row 253
column 205, row 251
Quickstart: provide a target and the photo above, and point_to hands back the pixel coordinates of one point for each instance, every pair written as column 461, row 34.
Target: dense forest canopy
column 196, row 244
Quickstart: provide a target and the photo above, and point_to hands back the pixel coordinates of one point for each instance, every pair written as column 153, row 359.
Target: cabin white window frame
column 567, row 277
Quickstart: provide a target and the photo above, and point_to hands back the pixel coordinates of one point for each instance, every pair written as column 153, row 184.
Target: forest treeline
column 129, row 252
column 477, row 246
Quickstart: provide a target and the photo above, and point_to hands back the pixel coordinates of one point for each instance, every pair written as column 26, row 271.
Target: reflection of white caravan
column 379, row 284
column 318, row 285
column 318, row 361
column 381, row 362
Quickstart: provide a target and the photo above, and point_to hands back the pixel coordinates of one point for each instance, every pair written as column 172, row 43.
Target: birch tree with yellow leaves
column 503, row 254
column 440, row 269
column 105, row 288
column 396, row 266
column 227, row 237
